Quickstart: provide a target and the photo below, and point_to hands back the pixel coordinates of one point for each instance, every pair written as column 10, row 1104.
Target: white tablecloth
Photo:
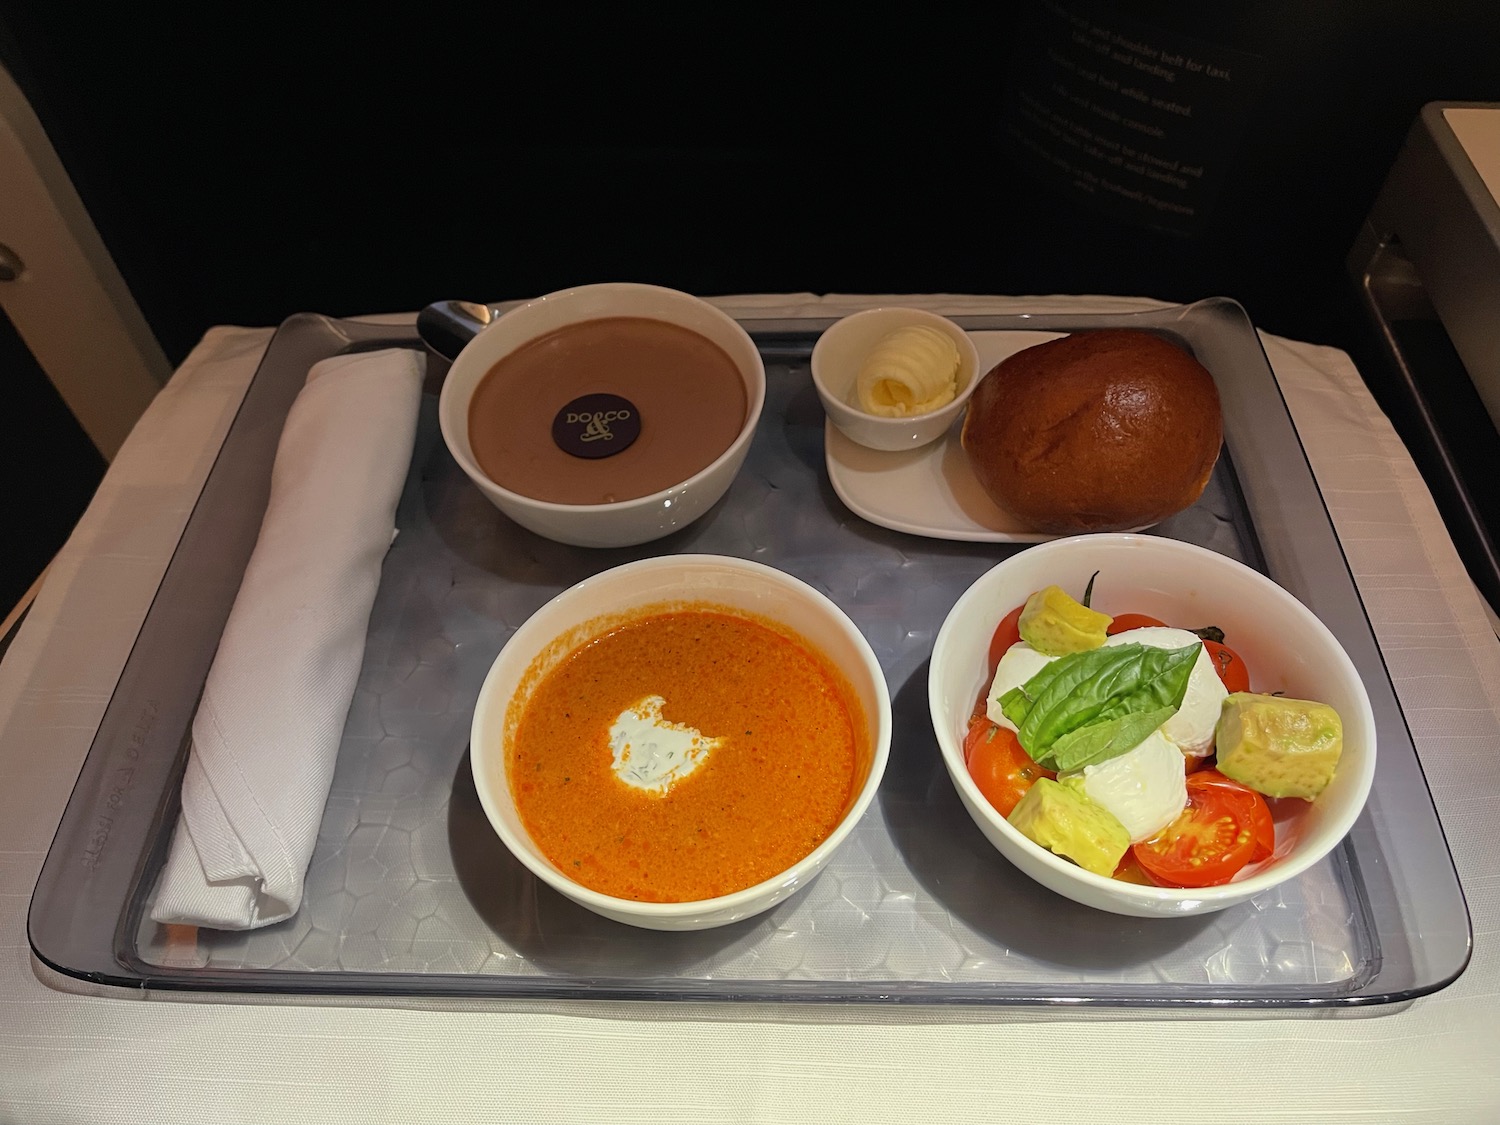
column 69, row 1056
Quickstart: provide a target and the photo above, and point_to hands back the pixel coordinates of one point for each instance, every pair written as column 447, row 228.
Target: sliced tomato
column 998, row 765
column 1229, row 665
column 1209, row 842
column 1130, row 871
column 1262, row 823
column 1133, row 621
column 1007, row 633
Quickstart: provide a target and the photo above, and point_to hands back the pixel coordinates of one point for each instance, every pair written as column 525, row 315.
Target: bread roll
column 1098, row 431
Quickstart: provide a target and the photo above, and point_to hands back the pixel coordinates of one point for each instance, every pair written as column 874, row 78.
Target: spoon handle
column 446, row 326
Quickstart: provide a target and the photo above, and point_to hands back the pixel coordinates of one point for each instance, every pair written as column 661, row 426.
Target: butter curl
column 911, row 371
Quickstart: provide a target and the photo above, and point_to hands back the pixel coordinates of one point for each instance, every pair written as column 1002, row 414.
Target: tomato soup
column 685, row 753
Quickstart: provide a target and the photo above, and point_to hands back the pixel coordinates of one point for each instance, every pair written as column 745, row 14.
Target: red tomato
column 1209, row 841
column 998, row 765
column 1130, row 871
column 979, row 728
column 1133, row 621
column 1007, row 633
column 1262, row 825
column 1229, row 665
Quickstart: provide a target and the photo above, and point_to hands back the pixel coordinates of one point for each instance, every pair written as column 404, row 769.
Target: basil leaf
column 1097, row 686
column 1101, row 741
column 1066, row 678
column 1015, row 705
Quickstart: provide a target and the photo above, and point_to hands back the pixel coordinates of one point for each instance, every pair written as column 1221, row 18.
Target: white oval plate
column 930, row 491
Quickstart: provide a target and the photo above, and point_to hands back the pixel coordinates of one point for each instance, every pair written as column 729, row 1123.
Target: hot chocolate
column 606, row 410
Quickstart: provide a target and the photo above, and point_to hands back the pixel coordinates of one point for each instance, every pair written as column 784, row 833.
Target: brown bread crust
column 1097, row 431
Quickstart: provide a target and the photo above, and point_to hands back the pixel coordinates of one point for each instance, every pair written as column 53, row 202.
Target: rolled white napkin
column 268, row 728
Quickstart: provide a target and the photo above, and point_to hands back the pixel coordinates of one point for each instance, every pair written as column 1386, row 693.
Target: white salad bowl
column 1284, row 646
column 587, row 609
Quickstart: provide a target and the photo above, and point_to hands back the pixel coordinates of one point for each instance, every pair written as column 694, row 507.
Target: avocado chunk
column 1276, row 746
column 1061, row 818
column 1054, row 624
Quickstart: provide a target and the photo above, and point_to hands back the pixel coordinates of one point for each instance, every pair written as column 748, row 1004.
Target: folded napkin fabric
column 269, row 724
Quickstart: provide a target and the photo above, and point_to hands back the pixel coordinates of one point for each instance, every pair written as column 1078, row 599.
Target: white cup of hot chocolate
column 605, row 415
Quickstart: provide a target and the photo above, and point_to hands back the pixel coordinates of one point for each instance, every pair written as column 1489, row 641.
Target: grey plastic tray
column 410, row 893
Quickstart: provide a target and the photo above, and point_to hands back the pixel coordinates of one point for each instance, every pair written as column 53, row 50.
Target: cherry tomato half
column 998, row 765
column 1130, row 871
column 1262, row 825
column 1229, row 665
column 1007, row 633
column 1133, row 621
column 1210, row 841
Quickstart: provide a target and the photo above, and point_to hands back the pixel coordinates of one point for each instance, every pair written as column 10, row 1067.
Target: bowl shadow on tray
column 960, row 869
column 559, row 936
